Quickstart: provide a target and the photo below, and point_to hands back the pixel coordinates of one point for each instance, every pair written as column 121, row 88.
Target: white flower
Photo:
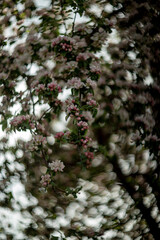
column 57, row 165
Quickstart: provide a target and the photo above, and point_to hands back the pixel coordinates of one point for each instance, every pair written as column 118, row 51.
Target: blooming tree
column 87, row 62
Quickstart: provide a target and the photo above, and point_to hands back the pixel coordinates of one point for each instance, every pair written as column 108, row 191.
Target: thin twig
column 73, row 23
column 45, row 160
column 63, row 17
column 45, row 113
column 32, row 102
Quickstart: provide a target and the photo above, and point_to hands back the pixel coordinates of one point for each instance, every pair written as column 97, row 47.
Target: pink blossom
column 19, row 120
column 89, row 155
column 57, row 165
column 53, row 85
column 39, row 88
column 45, row 180
column 59, row 135
column 91, row 83
column 85, row 141
column 71, row 108
column 92, row 102
column 75, row 83
column 57, row 102
column 41, row 128
column 83, row 56
column 83, row 125
column 66, row 43
column 12, row 84
column 80, row 42
column 95, row 67
column 71, row 65
column 66, row 47
column 39, row 139
column 152, row 138
column 32, row 125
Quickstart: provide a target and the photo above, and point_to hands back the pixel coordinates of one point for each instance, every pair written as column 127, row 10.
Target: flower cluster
column 19, row 120
column 22, row 122
column 57, row 165
column 53, row 85
column 95, row 67
column 91, row 83
column 80, row 68
column 83, row 125
column 40, row 88
column 63, row 44
column 92, row 102
column 37, row 143
column 64, row 39
column 45, row 180
column 59, row 135
column 84, row 56
column 85, row 141
column 75, row 82
column 89, row 155
column 52, row 168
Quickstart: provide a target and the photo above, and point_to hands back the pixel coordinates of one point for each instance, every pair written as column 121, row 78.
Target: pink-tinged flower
column 83, row 125
column 89, row 155
column 19, row 120
column 67, row 134
column 147, row 120
column 99, row 37
column 84, row 56
column 52, row 86
column 59, row 135
column 58, row 102
column 66, row 47
column 71, row 65
column 153, row 138
column 66, row 43
column 56, row 41
column 40, row 88
column 71, row 108
column 59, row 89
column 39, row 139
column 85, row 141
column 91, row 83
column 80, row 42
column 57, row 165
column 12, row 84
column 32, row 125
column 75, row 83
column 45, row 180
column 41, row 128
column 92, row 102
column 95, row 67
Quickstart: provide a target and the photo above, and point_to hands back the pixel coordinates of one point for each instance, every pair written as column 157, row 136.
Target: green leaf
column 4, row 124
column 54, row 238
